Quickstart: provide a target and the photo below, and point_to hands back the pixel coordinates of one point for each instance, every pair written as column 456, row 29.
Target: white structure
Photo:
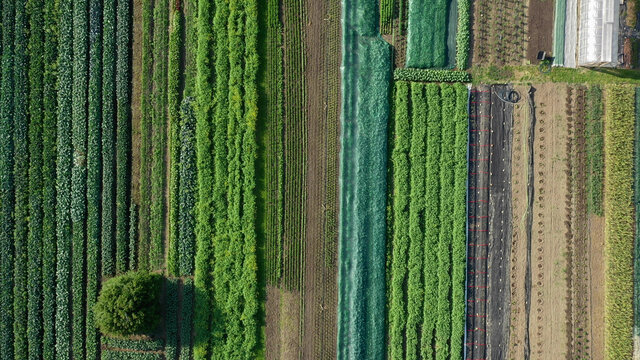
column 598, row 27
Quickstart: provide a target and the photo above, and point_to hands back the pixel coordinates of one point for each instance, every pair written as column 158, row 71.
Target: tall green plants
column 188, row 190
column 21, row 179
column 401, row 170
column 619, row 220
column 94, row 178
column 35, row 237
column 159, row 132
column 6, row 181
column 108, row 137
column 123, row 132
column 64, row 164
column 49, row 198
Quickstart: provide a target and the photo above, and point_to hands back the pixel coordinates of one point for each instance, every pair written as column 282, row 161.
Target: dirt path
column 549, row 279
column 519, row 206
column 596, row 239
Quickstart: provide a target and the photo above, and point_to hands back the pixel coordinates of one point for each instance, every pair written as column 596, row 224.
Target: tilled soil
column 541, row 314
column 540, row 33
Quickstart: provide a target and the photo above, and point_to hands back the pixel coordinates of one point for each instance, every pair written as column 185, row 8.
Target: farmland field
column 299, row 179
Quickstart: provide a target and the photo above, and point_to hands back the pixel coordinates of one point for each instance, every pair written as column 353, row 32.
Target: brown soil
column 540, row 28
column 322, row 30
column 136, row 73
column 272, row 310
column 596, row 237
column 290, row 325
column 548, row 322
column 499, row 32
column 519, row 175
column 547, row 334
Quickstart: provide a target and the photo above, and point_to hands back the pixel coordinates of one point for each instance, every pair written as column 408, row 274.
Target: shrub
column 129, row 304
column 427, row 75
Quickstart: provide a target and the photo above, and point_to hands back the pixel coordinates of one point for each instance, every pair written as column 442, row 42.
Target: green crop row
column 428, row 75
column 432, row 206
column 295, row 141
column 459, row 241
column 139, row 345
column 619, row 223
column 273, row 143
column 171, row 319
column 204, row 149
column 130, row 355
column 108, row 137
column 188, row 190
column 158, row 133
column 419, row 173
column 123, row 131
column 49, row 127
column 220, row 251
column 463, row 35
column 429, row 221
column 34, row 245
column 133, row 236
column 187, row 319
column 64, row 163
column 190, row 9
column 595, row 150
column 443, row 324
column 173, row 95
column 94, row 176
column 21, row 180
column 146, row 118
column 386, row 16
column 400, row 240
column 79, row 176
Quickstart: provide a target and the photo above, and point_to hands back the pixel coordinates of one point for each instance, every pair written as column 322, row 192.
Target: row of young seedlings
column 429, row 217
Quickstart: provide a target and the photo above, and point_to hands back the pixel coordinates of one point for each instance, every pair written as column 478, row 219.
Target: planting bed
column 489, row 227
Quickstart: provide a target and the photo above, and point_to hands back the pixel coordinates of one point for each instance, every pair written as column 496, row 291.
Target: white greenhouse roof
column 598, row 32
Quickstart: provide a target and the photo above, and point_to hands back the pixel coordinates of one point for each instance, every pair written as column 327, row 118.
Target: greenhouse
column 598, row 33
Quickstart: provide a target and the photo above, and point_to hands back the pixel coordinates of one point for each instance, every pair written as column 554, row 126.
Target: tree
column 129, row 304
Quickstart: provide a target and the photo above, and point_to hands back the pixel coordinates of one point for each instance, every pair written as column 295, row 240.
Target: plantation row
column 595, row 155
column 64, row 198
column 225, row 109
column 429, row 157
column 619, row 220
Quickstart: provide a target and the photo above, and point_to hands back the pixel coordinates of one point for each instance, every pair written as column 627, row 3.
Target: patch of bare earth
column 596, row 268
column 540, row 33
column 272, row 310
column 519, row 175
column 499, row 32
column 290, row 326
column 541, row 313
column 548, row 318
